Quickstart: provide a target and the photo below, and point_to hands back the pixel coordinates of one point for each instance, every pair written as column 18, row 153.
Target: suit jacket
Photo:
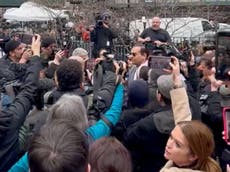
column 132, row 72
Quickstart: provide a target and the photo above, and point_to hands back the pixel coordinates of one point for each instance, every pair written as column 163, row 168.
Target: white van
column 177, row 27
column 223, row 25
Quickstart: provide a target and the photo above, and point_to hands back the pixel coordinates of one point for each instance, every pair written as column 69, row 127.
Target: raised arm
column 18, row 110
column 179, row 97
column 111, row 116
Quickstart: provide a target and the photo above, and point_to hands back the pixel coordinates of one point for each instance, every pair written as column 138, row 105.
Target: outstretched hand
column 175, row 71
column 26, row 55
column 175, row 65
column 215, row 84
column 36, row 44
column 59, row 56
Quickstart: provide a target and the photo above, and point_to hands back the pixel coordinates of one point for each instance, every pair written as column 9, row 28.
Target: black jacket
column 213, row 118
column 146, row 138
column 102, row 37
column 10, row 70
column 12, row 119
column 57, row 93
column 132, row 115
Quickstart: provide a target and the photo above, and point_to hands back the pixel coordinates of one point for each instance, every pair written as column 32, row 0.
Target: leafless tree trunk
column 121, row 17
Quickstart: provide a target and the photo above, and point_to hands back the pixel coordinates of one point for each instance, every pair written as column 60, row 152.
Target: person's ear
column 88, row 168
column 158, row 96
column 11, row 53
column 193, row 157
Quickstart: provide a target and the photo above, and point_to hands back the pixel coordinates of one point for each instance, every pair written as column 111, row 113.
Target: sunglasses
column 133, row 54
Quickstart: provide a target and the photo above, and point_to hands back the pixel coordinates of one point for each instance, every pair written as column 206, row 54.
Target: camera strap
column 10, row 91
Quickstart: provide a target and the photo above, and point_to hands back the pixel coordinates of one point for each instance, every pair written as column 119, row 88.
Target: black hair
column 47, row 41
column 69, row 75
column 144, row 73
column 143, row 50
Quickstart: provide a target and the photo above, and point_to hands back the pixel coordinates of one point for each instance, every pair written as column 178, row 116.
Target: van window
column 206, row 26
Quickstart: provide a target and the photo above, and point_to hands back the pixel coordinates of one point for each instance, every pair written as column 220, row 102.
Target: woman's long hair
column 201, row 143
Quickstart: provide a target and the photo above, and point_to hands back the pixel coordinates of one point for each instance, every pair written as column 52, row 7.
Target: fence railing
column 121, row 51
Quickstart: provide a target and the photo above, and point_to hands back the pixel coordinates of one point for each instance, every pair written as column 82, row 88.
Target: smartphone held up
column 226, row 122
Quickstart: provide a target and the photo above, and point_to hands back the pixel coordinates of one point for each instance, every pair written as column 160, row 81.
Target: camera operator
column 213, row 97
column 154, row 36
column 12, row 64
column 218, row 98
column 105, row 80
column 12, row 118
column 102, row 35
column 51, row 56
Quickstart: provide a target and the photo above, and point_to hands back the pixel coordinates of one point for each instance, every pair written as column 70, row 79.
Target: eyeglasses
column 133, row 54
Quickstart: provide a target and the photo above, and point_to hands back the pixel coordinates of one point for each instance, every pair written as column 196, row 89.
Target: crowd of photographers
column 58, row 113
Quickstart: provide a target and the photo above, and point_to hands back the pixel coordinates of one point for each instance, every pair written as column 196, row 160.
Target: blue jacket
column 100, row 129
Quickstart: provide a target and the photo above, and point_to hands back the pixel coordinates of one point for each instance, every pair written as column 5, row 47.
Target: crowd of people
column 57, row 114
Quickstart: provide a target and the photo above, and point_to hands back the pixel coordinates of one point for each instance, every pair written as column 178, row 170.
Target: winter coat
column 54, row 95
column 146, row 139
column 100, row 129
column 10, row 71
column 169, row 167
column 12, row 118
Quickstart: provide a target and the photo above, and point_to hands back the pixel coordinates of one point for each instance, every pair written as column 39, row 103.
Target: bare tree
column 87, row 10
column 51, row 3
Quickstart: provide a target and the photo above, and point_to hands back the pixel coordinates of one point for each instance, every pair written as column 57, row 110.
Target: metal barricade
column 88, row 46
column 121, row 51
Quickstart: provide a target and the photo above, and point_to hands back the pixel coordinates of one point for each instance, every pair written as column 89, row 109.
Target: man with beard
column 154, row 36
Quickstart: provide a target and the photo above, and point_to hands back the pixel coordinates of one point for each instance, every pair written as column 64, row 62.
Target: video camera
column 100, row 19
column 107, row 63
column 222, row 54
column 171, row 50
column 108, row 55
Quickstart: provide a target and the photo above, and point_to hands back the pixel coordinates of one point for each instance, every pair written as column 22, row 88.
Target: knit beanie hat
column 138, row 93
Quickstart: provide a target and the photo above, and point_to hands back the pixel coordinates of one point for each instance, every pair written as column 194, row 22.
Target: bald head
column 156, row 22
